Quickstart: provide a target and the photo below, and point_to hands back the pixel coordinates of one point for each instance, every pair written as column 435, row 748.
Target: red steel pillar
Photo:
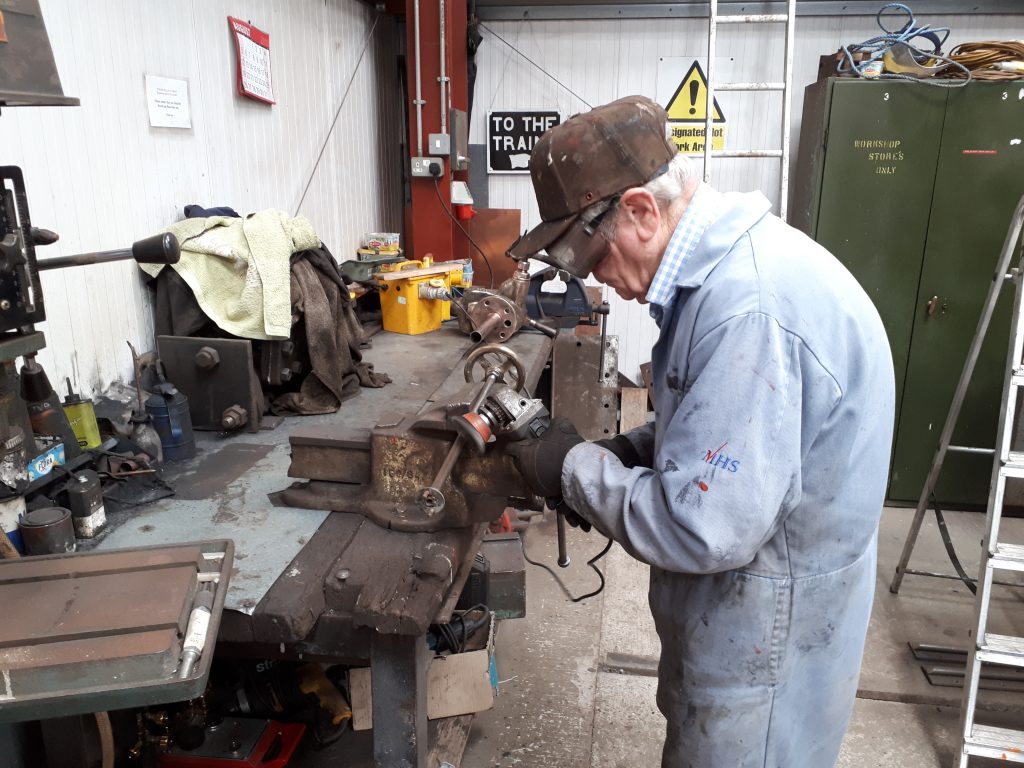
column 430, row 230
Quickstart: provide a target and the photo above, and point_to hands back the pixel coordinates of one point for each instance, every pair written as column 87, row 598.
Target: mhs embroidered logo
column 720, row 460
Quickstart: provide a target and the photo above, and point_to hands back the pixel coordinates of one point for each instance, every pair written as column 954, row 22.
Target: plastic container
column 82, row 417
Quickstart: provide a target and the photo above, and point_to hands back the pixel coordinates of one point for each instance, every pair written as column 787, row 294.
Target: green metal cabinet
column 912, row 187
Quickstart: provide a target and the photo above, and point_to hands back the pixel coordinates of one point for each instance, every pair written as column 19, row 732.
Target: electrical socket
column 420, row 166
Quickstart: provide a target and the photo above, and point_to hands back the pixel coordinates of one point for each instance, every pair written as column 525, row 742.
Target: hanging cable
column 947, row 542
column 592, row 562
column 876, row 48
column 337, row 114
column 437, row 190
column 538, row 66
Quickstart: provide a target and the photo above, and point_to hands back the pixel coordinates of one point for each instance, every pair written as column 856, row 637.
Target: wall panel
column 601, row 60
column 102, row 177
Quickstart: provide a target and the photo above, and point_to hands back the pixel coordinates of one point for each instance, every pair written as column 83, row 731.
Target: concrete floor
column 577, row 685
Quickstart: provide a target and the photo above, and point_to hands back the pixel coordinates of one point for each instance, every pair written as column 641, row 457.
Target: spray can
column 82, row 416
column 85, row 498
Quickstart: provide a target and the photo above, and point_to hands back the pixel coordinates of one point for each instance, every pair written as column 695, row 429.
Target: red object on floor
column 502, row 525
column 273, row 750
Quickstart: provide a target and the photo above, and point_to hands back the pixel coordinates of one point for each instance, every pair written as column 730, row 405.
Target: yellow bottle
column 82, row 416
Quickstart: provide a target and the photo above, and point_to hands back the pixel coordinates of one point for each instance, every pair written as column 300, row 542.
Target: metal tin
column 48, row 531
column 171, row 418
column 85, row 497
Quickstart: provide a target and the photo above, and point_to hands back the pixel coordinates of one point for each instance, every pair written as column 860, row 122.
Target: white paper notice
column 168, row 102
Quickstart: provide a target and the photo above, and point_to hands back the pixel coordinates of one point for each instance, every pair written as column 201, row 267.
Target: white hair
column 665, row 189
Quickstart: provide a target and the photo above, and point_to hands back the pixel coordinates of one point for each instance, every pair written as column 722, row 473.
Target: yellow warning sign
column 687, row 114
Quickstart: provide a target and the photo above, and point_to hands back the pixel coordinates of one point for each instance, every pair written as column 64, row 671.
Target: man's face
column 617, row 270
column 635, row 251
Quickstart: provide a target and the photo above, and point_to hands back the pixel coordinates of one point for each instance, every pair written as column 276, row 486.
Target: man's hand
column 624, row 450
column 540, row 459
column 570, row 515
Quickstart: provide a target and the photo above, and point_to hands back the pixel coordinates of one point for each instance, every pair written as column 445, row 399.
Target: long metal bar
column 709, row 105
column 955, row 577
column 747, row 153
column 442, row 78
column 84, row 259
column 971, row 449
column 751, row 87
column 752, row 18
column 419, row 78
column 1006, row 256
column 502, row 10
column 787, row 109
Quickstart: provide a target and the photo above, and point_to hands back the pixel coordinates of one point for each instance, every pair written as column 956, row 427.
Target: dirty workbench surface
column 222, row 492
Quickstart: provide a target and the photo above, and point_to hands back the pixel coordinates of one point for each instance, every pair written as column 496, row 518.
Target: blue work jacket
column 773, row 393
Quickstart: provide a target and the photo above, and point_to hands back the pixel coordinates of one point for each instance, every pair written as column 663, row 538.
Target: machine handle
column 158, row 249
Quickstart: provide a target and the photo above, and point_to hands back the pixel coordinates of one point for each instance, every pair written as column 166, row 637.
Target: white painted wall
column 607, row 59
column 102, row 177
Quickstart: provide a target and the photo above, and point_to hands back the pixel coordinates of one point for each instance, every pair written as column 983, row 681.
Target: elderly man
column 756, row 493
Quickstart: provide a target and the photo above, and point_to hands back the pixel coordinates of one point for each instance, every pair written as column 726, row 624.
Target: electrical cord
column 454, row 635
column 437, row 191
column 877, row 46
column 947, row 542
column 591, row 562
column 990, row 59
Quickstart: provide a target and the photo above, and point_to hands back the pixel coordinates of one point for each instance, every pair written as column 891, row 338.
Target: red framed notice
column 252, row 47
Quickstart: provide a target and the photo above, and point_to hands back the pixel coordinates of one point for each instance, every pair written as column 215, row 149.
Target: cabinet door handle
column 932, row 305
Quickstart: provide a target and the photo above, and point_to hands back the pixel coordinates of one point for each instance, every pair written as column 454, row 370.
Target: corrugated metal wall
column 102, row 177
column 604, row 60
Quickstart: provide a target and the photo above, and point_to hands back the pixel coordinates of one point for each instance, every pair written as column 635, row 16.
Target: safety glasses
column 583, row 246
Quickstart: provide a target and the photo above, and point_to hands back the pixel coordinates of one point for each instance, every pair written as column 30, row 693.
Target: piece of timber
column 397, row 582
column 291, row 607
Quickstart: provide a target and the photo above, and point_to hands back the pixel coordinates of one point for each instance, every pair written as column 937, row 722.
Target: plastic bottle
column 82, row 417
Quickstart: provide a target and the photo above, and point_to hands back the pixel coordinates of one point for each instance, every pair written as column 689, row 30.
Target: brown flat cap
column 591, row 157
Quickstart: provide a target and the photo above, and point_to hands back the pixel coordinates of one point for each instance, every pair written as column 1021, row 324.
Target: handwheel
column 497, row 361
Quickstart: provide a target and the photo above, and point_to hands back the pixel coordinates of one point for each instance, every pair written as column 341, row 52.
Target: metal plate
column 94, row 631
column 588, row 400
column 211, row 391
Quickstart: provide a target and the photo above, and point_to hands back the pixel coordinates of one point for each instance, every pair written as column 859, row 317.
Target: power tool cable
column 592, row 563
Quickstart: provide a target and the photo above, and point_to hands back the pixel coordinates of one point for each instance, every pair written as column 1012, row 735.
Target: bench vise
column 441, row 468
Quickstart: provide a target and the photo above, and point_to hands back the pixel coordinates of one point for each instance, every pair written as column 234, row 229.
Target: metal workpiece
column 104, row 630
column 411, row 473
column 495, row 316
column 585, row 383
column 404, row 460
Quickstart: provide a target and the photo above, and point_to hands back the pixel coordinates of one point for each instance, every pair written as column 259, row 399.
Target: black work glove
column 622, row 449
column 540, row 459
column 570, row 515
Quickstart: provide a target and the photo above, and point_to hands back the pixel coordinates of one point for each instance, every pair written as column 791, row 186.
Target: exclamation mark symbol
column 694, row 88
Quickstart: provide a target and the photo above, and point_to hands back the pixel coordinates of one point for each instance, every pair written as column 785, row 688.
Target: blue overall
column 773, row 393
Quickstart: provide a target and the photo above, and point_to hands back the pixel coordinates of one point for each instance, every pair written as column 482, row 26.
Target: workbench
column 330, row 586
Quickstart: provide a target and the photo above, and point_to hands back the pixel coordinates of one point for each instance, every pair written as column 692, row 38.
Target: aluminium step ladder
column 996, row 555
column 785, row 87
column 978, row 740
